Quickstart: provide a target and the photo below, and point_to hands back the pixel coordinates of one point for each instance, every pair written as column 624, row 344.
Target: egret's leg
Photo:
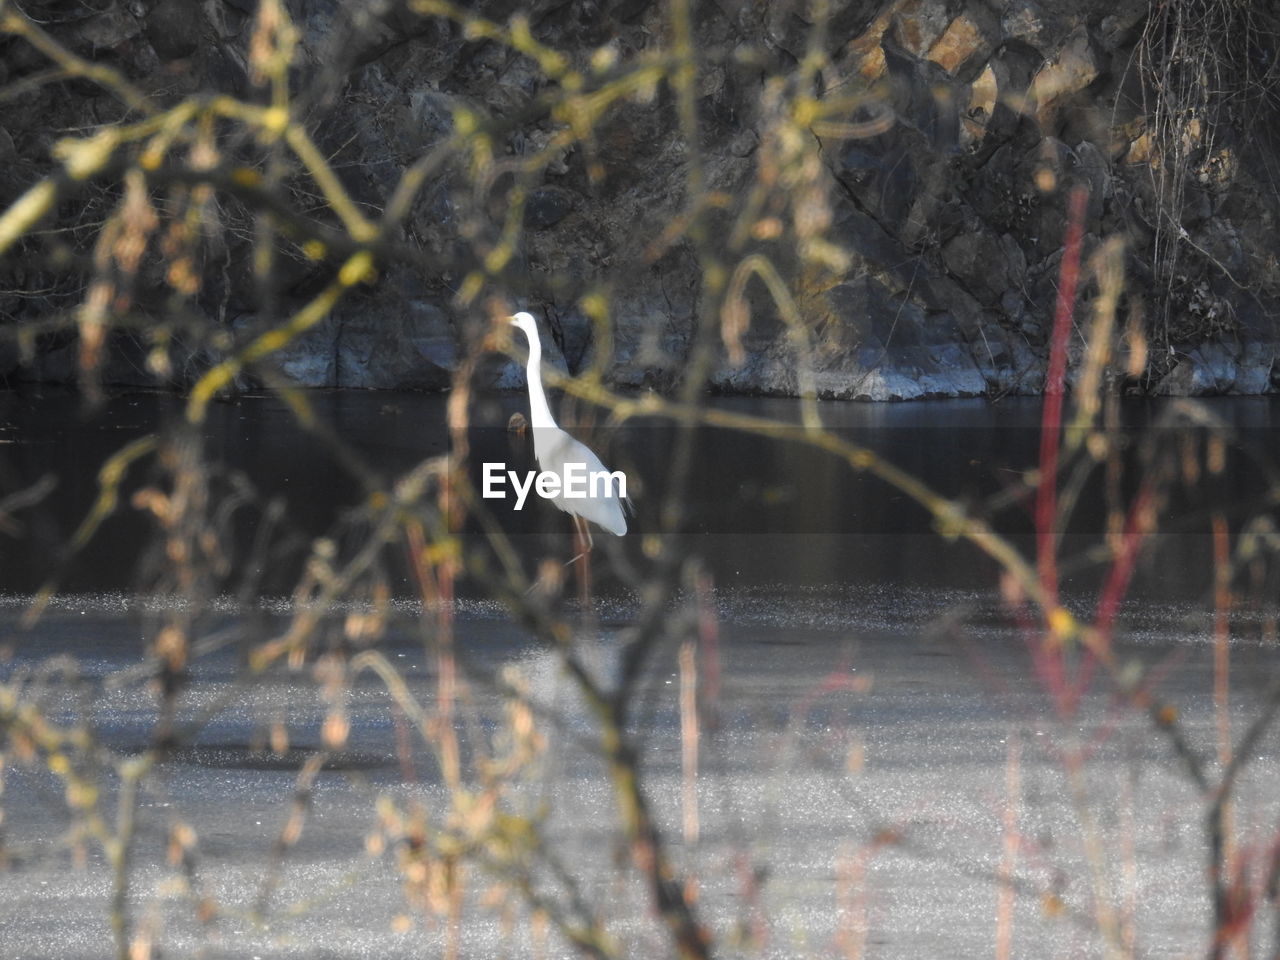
column 582, row 543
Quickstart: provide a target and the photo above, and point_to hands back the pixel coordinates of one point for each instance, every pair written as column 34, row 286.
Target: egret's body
column 554, row 449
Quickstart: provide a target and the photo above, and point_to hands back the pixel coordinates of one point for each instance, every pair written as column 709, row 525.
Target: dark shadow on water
column 762, row 512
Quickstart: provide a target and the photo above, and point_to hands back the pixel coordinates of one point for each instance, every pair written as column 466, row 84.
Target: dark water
column 763, row 512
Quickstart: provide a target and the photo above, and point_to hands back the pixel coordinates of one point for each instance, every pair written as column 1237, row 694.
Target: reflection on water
column 762, row 511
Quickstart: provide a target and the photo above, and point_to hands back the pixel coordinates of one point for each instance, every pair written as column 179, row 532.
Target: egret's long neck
column 539, row 412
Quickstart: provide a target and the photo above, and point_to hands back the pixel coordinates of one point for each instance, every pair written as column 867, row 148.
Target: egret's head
column 526, row 323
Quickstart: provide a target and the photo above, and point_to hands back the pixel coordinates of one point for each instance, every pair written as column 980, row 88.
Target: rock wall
column 945, row 189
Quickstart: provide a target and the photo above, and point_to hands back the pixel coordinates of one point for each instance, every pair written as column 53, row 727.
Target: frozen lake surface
column 855, row 786
column 880, row 769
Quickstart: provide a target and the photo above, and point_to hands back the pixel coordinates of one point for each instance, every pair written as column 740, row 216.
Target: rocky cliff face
column 920, row 250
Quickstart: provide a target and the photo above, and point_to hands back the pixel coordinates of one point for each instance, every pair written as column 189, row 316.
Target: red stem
column 1135, row 530
column 1051, row 418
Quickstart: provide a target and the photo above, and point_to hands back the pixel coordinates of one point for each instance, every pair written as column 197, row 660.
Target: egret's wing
column 554, row 449
column 557, row 449
column 584, row 454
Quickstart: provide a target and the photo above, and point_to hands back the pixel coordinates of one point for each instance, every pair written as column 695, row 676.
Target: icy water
column 879, row 771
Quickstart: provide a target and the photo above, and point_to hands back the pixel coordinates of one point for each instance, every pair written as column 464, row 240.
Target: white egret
column 555, row 450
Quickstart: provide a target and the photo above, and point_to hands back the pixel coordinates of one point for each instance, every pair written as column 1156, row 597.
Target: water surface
column 873, row 745
column 762, row 512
